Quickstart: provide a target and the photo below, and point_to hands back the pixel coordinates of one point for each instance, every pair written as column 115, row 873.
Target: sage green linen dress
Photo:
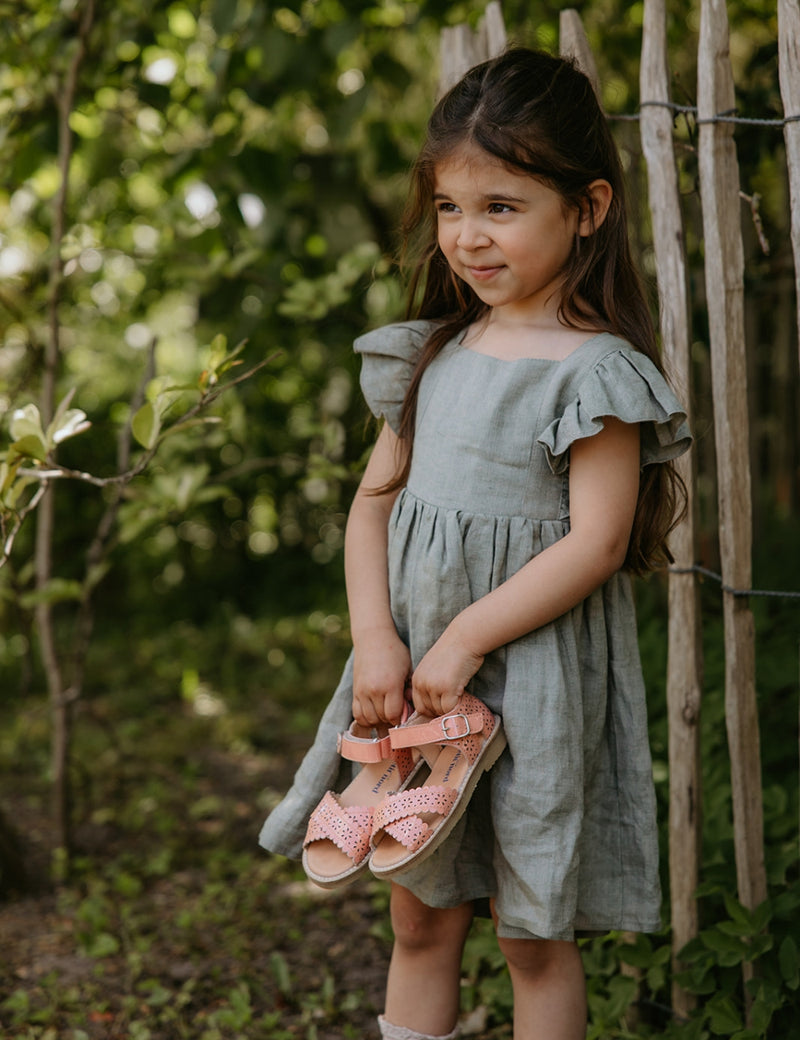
column 562, row 830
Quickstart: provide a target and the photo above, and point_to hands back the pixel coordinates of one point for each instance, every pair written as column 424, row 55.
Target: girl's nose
column 471, row 235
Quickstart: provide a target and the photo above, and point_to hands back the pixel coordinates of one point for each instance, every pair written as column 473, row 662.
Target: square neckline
column 459, row 343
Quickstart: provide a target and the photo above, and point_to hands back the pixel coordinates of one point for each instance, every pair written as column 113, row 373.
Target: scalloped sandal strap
column 399, row 814
column 348, row 828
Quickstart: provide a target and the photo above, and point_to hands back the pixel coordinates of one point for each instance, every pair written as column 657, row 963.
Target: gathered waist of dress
column 473, row 508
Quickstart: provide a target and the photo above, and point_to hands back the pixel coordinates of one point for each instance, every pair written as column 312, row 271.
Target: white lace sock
column 391, row 1032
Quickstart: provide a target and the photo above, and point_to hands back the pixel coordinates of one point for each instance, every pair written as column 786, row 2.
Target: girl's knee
column 538, row 957
column 417, row 926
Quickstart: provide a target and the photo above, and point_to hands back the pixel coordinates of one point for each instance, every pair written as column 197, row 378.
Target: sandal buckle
column 446, row 731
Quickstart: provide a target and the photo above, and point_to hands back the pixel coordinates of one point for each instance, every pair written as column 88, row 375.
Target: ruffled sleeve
column 389, row 355
column 624, row 384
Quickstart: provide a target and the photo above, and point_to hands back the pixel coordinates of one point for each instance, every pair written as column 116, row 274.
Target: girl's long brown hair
column 538, row 115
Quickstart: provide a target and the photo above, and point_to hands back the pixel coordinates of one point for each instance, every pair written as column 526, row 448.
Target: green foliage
column 764, row 938
column 485, row 981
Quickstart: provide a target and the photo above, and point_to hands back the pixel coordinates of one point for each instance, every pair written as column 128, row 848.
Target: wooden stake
column 684, row 655
column 719, row 190
column 572, row 43
column 789, row 75
column 460, row 48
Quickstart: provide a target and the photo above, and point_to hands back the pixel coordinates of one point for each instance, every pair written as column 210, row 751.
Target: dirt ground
column 223, row 941
column 312, row 963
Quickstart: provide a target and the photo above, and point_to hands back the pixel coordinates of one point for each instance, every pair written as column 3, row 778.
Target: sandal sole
column 338, row 880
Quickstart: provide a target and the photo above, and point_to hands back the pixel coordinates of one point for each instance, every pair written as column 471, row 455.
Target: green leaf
column 761, row 1015
column 193, row 423
column 695, row 949
column 621, row 993
column 758, row 945
column 31, row 446
column 789, row 962
column 218, row 348
column 786, row 903
column 146, row 426
column 8, row 473
column 723, row 1015
column 716, row 939
column 96, row 574
column 231, row 360
column 699, row 983
column 762, row 915
column 57, row 590
column 103, row 945
column 694, row 1030
column 18, row 1001
column 26, row 422
column 739, row 915
column 656, row 978
column 13, row 492
column 639, row 956
column 280, row 972
column 708, row 888
column 735, row 928
column 72, row 422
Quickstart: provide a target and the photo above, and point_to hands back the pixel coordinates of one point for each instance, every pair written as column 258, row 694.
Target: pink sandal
column 409, row 825
column 336, row 847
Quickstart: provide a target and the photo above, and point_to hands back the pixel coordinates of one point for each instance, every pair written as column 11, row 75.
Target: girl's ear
column 594, row 207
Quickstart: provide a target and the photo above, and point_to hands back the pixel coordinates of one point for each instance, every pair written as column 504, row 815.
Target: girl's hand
column 441, row 677
column 381, row 668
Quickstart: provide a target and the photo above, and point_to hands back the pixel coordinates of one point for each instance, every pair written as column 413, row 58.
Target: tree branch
column 57, row 472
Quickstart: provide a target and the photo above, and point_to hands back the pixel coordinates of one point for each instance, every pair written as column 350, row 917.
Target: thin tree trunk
column 59, row 697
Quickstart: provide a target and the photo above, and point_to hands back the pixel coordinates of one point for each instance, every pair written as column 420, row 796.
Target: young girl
column 522, row 472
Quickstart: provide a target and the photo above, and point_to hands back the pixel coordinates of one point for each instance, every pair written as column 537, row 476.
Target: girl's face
column 507, row 235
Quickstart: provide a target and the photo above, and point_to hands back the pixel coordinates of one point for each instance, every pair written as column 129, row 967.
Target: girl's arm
column 603, row 491
column 381, row 662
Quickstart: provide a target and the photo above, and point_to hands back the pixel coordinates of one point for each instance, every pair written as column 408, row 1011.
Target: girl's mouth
column 483, row 274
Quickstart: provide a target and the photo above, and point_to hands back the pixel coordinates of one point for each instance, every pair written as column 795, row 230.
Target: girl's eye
column 446, row 207
column 500, row 207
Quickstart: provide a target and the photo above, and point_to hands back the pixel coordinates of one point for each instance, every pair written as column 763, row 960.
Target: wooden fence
column 724, row 283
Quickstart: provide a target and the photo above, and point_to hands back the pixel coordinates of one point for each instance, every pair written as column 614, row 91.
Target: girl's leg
column 422, row 991
column 549, row 989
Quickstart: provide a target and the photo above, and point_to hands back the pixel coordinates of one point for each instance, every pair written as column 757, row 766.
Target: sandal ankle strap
column 362, row 749
column 441, row 730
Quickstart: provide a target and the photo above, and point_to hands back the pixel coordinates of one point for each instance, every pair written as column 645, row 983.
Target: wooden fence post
column 572, row 43
column 789, row 74
column 719, row 190
column 460, row 48
column 684, row 653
